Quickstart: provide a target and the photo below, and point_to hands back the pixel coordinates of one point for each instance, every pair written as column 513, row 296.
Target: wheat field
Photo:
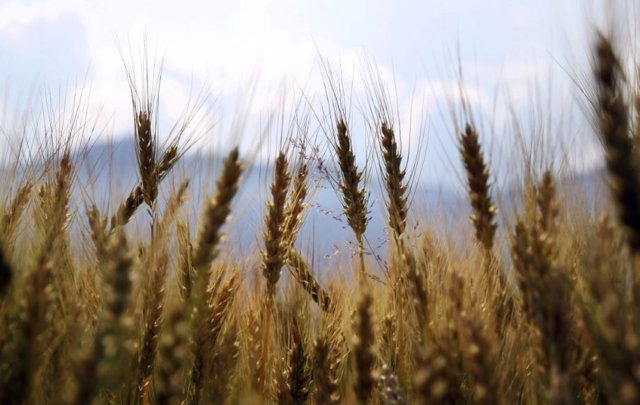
column 537, row 309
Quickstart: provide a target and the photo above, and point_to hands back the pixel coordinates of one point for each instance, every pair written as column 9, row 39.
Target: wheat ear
column 354, row 198
column 484, row 211
column 274, row 254
column 612, row 114
column 394, row 181
column 136, row 198
column 146, row 153
column 216, row 213
column 11, row 216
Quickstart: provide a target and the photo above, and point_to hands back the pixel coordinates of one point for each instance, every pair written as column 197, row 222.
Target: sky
column 514, row 54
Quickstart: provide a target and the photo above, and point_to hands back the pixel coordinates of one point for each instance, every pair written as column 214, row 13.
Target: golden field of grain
column 539, row 308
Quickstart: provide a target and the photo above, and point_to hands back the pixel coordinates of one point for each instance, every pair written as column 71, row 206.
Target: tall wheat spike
column 354, row 197
column 146, row 146
column 44, row 295
column 302, row 273
column 206, row 250
column 484, row 211
column 12, row 214
column 296, row 205
column 484, row 221
column 546, row 289
column 292, row 223
column 216, row 213
column 207, row 330
column 136, row 198
column 394, row 181
column 274, row 254
column 612, row 114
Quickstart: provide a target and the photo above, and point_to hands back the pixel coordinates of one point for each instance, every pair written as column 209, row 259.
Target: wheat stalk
column 11, row 216
column 274, row 254
column 612, row 114
column 354, row 199
column 296, row 205
column 185, row 252
column 207, row 328
column 394, row 181
column 146, row 145
column 215, row 215
column 484, row 211
column 546, row 287
column 134, row 200
column 302, row 273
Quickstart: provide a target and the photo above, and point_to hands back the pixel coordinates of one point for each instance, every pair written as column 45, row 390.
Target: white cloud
column 224, row 45
column 17, row 14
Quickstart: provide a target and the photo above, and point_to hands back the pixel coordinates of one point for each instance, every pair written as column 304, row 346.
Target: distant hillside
column 107, row 172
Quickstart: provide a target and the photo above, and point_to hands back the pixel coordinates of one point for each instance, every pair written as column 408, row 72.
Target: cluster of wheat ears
column 160, row 318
